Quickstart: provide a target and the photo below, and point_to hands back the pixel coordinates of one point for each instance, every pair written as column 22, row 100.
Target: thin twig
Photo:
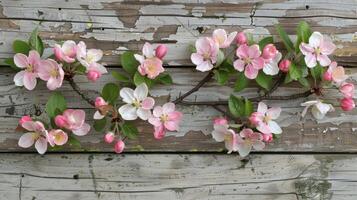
column 78, row 90
column 227, row 114
column 194, row 89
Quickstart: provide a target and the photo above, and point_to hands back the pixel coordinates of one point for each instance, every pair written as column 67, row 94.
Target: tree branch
column 78, row 90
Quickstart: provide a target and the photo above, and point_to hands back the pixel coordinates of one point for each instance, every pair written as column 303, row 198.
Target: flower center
column 54, row 73
column 247, row 60
column 35, row 135
column 136, row 103
column 30, row 68
column 164, row 118
column 228, row 137
column 206, row 56
column 317, row 51
column 267, row 119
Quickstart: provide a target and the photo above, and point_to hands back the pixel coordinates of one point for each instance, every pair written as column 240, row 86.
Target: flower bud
column 347, row 104
column 284, row 65
column 119, row 146
column 220, row 121
column 109, row 137
column 269, row 51
column 327, row 76
column 25, row 118
column 347, row 89
column 160, row 51
column 267, row 137
column 99, row 101
column 255, row 118
column 241, row 38
column 93, row 75
column 60, row 121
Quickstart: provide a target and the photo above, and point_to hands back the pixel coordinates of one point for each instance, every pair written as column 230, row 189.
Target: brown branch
column 79, row 91
column 194, row 89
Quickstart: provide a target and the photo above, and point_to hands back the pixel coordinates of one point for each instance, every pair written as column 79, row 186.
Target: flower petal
column 242, row 51
column 258, row 145
column 315, row 39
column 310, row 60
column 155, row 121
column 171, row 125
column 148, row 103
column 244, row 149
column 141, row 92
column 167, row 108
column 83, row 130
column 128, row 112
column 158, row 111
column 30, row 80
column 262, row 107
column 20, row 60
column 26, row 140
column 239, row 65
column 148, row 50
column 196, row 58
column 19, row 78
column 143, row 113
column 306, row 49
column 204, row 66
column 253, row 51
column 128, row 95
column 324, row 60
column 274, row 112
column 274, row 127
column 97, row 115
column 41, row 145
column 250, row 72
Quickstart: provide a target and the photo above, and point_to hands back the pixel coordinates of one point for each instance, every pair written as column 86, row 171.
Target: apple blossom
column 241, row 38
column 347, row 104
column 337, row 73
column 57, row 137
column 318, row 110
column 264, row 119
column 119, row 146
column 284, row 65
column 165, row 118
column 220, row 121
column 269, row 51
column 95, row 71
column 88, row 57
column 317, row 50
column 109, row 137
column 160, row 51
column 51, row 72
column 250, row 140
column 23, row 119
column 138, row 104
column 206, row 55
column 37, row 135
column 249, row 60
column 271, row 65
column 98, row 103
column 267, row 137
column 222, row 133
column 221, row 37
column 73, row 120
column 30, row 65
column 347, row 89
column 66, row 52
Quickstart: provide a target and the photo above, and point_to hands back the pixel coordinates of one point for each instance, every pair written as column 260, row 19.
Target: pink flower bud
column 347, row 89
column 99, row 101
column 161, row 51
column 255, row 118
column 60, row 121
column 220, row 121
column 347, row 104
column 327, row 76
column 269, row 51
column 267, row 137
column 119, row 146
column 109, row 137
column 93, row 75
column 241, row 38
column 284, row 65
column 25, row 118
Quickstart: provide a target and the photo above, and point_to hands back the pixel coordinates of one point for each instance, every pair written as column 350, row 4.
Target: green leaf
column 304, row 82
column 250, row 39
column 165, row 79
column 227, row 66
column 241, row 82
column 316, row 72
column 263, row 42
column 303, row 34
column 120, row 77
column 129, row 130
column 286, row 40
column 294, row 72
column 129, row 63
column 248, row 108
column 110, row 92
column 10, row 62
column 139, row 79
column 236, row 106
column 74, row 142
column 35, row 42
column 20, row 46
column 55, row 105
column 220, row 58
column 99, row 125
column 264, row 80
column 221, row 76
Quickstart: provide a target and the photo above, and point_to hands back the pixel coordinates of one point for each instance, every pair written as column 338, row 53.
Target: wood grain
column 180, row 176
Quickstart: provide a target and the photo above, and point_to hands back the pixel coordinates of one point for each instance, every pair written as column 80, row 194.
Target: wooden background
column 312, row 160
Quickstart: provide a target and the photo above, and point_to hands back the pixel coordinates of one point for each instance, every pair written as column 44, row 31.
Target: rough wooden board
column 336, row 133
column 115, row 26
column 179, row 176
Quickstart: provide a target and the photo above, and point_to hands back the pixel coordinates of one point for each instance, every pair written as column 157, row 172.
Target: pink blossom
column 30, row 65
column 241, row 38
column 73, row 120
column 249, row 139
column 95, row 71
column 119, row 146
column 109, row 137
column 138, row 104
column 150, row 65
column 269, row 51
column 23, row 119
column 264, row 119
column 337, row 73
column 66, row 52
column 51, row 72
column 99, row 102
column 165, row 118
column 249, row 60
column 347, row 89
column 317, row 50
column 327, row 76
column 220, row 121
column 271, row 65
column 221, row 37
column 160, row 51
column 37, row 135
column 347, row 104
column 267, row 137
column 284, row 65
column 222, row 133
column 57, row 137
column 318, row 110
column 88, row 57
column 206, row 55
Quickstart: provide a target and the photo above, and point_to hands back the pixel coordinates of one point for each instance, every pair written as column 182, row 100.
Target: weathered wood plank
column 336, row 133
column 115, row 26
column 182, row 176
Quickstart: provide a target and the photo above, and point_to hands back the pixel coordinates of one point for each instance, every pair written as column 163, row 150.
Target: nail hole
column 307, row 7
column 102, row 29
column 76, row 176
column 199, row 29
column 59, row 8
